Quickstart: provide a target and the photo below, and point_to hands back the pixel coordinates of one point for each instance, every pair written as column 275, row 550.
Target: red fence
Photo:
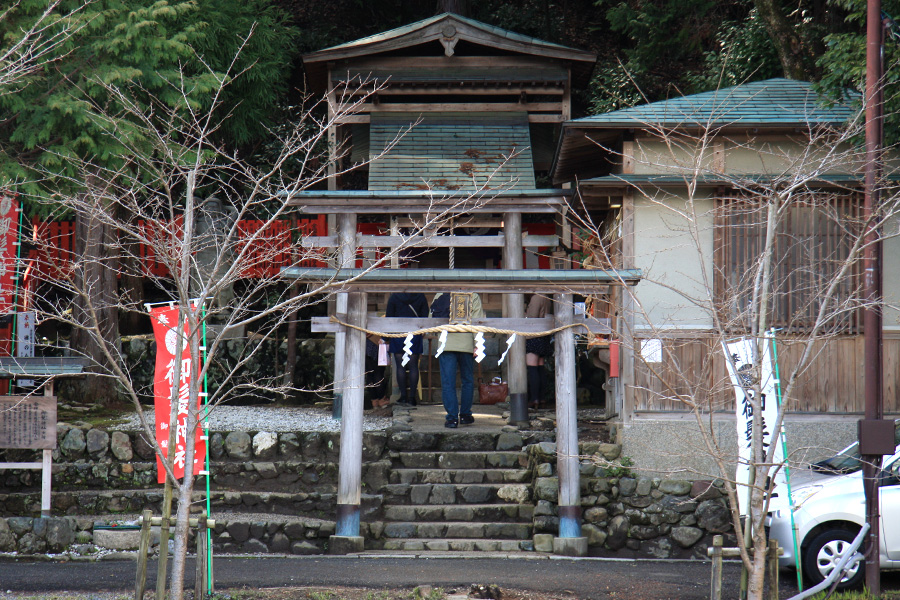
column 270, row 250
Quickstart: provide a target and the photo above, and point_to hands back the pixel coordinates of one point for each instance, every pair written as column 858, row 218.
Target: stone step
column 477, row 530
column 498, row 513
column 462, row 460
column 453, row 493
column 459, row 545
column 461, row 476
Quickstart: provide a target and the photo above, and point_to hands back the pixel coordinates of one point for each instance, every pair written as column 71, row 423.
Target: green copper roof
column 451, row 151
column 41, row 366
column 771, row 102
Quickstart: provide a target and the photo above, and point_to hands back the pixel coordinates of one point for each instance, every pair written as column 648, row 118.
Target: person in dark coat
column 407, row 305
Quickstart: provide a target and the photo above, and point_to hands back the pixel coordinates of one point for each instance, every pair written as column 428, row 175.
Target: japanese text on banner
column 165, row 381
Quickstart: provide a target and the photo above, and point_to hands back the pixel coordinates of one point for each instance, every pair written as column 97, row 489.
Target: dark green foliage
column 844, row 62
column 171, row 53
column 743, row 52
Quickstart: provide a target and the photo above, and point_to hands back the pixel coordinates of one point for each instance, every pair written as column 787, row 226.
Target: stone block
column 610, row 451
column 418, row 460
column 517, row 494
column 238, row 445
column 265, row 444
column 254, row 546
column 465, row 530
column 461, row 461
column 704, row 490
column 120, row 446
column 240, row 532
column 7, row 539
column 644, row 486
column 547, row 488
column 288, row 444
column 73, row 444
column 129, row 539
column 477, row 494
column 443, row 494
column 686, row 536
column 509, row 441
column 627, row 486
column 570, row 546
column 419, row 494
column 411, row 442
column 97, row 443
column 304, row 548
column 675, row 487
column 266, row 470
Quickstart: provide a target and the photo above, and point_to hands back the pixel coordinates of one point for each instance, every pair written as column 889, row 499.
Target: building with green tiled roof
column 680, row 190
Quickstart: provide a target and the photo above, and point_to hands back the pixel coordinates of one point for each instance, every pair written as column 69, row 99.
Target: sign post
column 29, row 422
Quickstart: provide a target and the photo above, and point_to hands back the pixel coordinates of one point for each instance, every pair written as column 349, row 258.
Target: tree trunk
column 792, row 52
column 459, row 7
column 95, row 310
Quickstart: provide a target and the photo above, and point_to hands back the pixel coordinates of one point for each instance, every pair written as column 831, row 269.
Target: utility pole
column 873, row 282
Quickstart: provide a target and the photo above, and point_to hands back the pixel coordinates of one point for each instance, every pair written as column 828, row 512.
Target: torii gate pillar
column 570, row 542
column 347, row 539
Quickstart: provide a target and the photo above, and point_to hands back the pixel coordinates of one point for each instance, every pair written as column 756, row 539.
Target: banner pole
column 787, row 472
column 209, row 548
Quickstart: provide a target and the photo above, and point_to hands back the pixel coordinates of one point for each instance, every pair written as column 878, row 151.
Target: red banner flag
column 165, row 321
column 9, row 236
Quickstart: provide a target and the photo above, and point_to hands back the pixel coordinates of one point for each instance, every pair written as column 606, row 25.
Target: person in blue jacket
column 407, row 305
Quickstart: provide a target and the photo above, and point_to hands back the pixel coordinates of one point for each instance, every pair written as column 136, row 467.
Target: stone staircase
column 276, row 493
column 458, row 492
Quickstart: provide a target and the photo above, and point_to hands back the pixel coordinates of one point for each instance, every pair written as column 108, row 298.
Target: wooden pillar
column 515, row 307
column 567, row 432
column 345, row 260
column 350, row 462
column 625, row 392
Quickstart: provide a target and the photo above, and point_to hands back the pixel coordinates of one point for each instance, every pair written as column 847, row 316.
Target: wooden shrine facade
column 453, row 123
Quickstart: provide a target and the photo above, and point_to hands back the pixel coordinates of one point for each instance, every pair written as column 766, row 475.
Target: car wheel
column 823, row 553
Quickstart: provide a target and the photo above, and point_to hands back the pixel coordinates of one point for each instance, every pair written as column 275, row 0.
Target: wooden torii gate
column 353, row 285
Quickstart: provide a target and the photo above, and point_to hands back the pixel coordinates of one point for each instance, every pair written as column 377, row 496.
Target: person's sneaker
column 451, row 424
column 466, row 419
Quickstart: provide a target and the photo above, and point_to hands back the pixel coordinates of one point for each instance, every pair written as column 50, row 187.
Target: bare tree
column 32, row 48
column 776, row 254
column 183, row 196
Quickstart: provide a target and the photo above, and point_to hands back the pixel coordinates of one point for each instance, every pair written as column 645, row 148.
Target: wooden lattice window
column 815, row 235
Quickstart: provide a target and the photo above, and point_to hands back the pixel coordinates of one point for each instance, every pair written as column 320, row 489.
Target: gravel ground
column 268, row 418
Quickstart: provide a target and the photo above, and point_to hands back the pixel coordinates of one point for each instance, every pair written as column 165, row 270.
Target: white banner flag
column 739, row 369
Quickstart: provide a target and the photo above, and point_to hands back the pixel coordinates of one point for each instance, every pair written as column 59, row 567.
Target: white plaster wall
column 673, row 248
column 682, row 157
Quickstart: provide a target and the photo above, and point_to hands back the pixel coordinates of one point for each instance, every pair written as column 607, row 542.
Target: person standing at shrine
column 536, row 349
column 407, row 305
column 458, row 356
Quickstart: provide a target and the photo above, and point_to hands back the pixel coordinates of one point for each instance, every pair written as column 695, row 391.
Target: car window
column 891, row 473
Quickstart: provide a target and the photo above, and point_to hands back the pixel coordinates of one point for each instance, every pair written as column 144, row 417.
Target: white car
column 828, row 513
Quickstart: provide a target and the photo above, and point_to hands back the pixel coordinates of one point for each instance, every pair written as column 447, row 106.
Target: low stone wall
column 288, row 481
column 624, row 515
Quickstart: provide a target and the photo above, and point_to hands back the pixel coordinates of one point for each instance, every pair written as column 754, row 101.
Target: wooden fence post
column 772, row 567
column 715, row 592
column 144, row 549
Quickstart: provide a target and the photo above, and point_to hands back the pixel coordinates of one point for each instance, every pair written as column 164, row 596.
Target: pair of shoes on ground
column 463, row 420
column 381, row 402
column 407, row 403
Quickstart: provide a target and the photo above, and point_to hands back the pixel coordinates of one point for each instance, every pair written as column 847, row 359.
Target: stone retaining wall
column 113, row 472
column 625, row 515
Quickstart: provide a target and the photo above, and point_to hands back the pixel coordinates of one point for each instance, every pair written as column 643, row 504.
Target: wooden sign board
column 28, row 422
